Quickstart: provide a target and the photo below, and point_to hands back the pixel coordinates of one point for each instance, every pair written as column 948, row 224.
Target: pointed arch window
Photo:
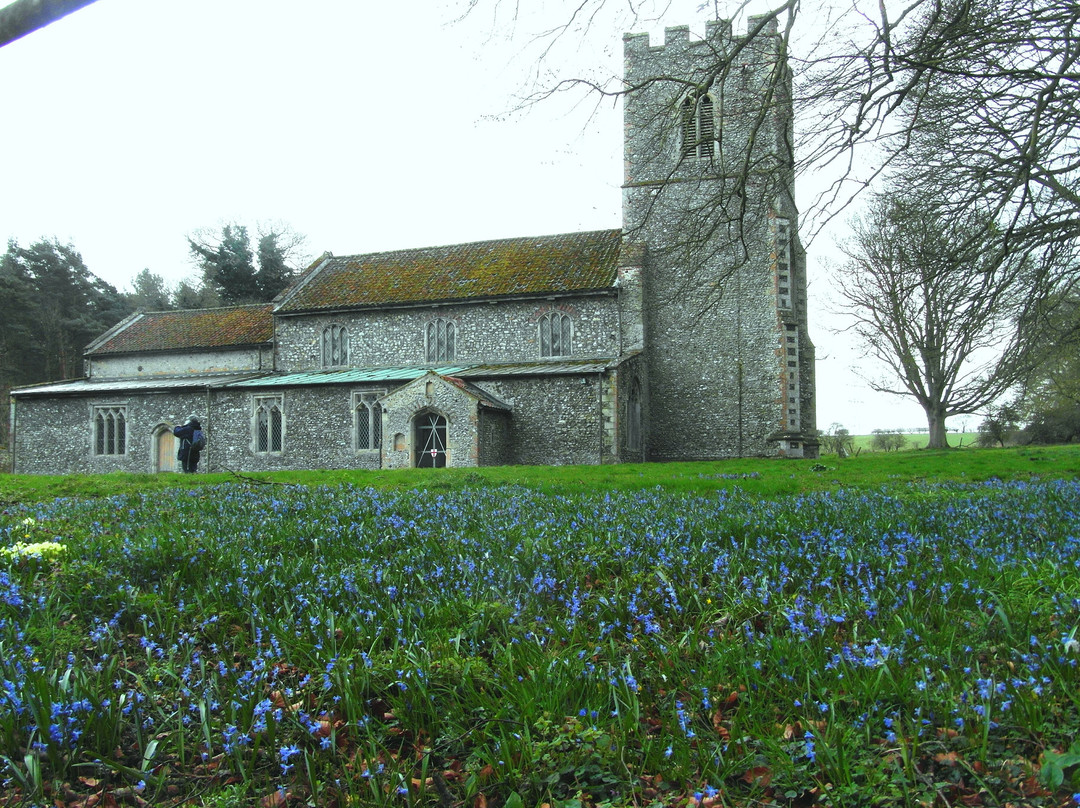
column 335, row 346
column 556, row 334
column 268, row 424
column 698, row 126
column 110, row 430
column 440, row 341
column 367, row 420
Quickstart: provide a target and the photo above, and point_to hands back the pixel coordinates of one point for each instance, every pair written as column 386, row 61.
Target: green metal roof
column 404, row 373
column 348, row 376
column 142, row 384
column 409, row 372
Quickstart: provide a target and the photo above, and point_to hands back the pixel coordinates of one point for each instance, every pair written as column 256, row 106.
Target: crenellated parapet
column 718, row 34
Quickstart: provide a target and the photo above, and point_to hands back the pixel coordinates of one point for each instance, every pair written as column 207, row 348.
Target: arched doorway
column 164, row 450
column 429, row 438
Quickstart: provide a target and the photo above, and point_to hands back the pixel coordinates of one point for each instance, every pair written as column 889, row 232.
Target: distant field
column 957, row 440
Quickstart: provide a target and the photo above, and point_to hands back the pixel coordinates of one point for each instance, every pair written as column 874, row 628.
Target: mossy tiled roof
column 191, row 329
column 571, row 262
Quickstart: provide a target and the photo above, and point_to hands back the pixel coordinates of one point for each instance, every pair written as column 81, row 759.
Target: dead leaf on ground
column 275, row 799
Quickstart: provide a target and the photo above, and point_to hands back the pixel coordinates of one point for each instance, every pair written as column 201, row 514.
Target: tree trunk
column 935, row 419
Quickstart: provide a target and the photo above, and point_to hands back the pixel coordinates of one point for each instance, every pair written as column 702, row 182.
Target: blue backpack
column 198, row 441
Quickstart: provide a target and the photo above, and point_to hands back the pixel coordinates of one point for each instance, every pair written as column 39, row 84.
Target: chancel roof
column 559, row 264
column 188, row 329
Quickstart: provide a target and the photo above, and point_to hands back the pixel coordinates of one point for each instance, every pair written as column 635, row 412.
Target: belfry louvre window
column 268, row 423
column 367, row 420
column 556, row 334
column 110, row 430
column 335, row 346
column 440, row 341
column 698, row 126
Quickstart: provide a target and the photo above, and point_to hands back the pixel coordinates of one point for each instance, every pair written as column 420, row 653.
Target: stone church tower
column 708, row 191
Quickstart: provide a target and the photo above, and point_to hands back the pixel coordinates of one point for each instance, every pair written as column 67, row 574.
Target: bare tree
column 838, row 440
column 985, row 89
column 953, row 312
column 21, row 17
column 987, row 92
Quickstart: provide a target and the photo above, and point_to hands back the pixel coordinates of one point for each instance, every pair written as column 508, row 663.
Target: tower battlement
column 677, row 38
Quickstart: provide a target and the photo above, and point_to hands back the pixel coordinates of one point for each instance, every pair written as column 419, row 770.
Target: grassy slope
column 765, row 477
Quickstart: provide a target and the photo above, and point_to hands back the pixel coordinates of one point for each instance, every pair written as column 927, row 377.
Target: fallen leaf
column 757, row 776
column 275, row 799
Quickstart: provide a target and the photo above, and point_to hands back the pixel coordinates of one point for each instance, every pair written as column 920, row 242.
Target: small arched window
column 440, row 341
column 335, row 346
column 367, row 421
column 698, row 126
column 268, row 424
column 556, row 334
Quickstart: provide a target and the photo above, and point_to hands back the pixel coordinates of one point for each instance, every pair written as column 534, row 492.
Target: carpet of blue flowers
column 335, row 646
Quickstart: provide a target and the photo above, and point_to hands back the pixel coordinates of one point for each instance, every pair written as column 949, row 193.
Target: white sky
column 364, row 126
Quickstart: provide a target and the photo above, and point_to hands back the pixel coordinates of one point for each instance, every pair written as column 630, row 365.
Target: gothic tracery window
column 110, row 430
column 367, row 421
column 335, row 346
column 440, row 341
column 268, row 424
column 556, row 333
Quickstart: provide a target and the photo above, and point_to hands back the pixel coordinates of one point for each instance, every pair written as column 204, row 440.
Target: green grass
column 887, row 630
column 767, row 477
column 916, row 440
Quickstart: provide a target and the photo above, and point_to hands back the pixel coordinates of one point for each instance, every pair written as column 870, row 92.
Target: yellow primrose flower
column 38, row 549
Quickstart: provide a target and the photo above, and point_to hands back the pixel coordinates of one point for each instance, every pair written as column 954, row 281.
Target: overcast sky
column 363, row 126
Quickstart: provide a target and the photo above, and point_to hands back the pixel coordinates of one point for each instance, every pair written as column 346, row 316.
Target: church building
column 680, row 336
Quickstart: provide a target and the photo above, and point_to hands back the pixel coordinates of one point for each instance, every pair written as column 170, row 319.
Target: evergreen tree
column 191, row 295
column 20, row 354
column 274, row 274
column 149, row 292
column 228, row 266
column 51, row 307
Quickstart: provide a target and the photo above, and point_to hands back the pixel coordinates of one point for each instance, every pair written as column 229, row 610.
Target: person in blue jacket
column 191, row 440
